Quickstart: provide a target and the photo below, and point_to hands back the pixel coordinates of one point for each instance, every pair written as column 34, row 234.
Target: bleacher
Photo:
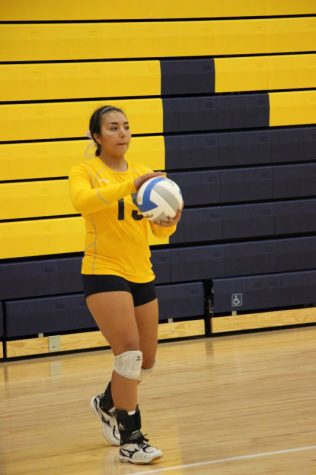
column 220, row 95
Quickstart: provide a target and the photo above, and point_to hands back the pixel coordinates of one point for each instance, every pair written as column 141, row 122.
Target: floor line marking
column 225, row 460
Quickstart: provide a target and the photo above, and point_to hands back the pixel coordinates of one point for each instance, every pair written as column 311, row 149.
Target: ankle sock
column 106, row 401
column 128, row 424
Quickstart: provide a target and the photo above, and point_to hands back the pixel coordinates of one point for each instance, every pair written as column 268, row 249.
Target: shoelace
column 142, row 441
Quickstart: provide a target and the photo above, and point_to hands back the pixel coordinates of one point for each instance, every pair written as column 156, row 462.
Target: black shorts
column 141, row 293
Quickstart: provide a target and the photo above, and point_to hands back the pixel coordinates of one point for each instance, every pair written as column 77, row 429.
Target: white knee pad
column 128, row 364
column 145, row 372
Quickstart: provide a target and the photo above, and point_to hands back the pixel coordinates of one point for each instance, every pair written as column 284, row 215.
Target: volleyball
column 159, row 198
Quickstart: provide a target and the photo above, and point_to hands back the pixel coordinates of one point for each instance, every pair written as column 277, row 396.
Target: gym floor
column 238, row 405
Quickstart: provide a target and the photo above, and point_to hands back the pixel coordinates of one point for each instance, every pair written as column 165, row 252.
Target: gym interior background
column 222, row 96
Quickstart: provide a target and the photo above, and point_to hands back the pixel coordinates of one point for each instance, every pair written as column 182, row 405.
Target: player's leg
column 147, row 323
column 114, row 314
column 146, row 313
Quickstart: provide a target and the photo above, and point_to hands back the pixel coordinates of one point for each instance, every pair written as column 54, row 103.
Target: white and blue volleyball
column 159, row 198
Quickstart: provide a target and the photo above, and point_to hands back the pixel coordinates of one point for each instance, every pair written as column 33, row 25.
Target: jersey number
column 121, row 211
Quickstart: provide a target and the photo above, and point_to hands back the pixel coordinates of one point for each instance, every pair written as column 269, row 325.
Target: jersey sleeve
column 162, row 231
column 88, row 200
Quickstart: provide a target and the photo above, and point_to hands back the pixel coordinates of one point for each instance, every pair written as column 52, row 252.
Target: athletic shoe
column 108, row 421
column 139, row 452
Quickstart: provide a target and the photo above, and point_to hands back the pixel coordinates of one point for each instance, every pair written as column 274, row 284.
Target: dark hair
column 95, row 123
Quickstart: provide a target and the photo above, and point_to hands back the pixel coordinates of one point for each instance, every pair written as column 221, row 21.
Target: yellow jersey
column 117, row 240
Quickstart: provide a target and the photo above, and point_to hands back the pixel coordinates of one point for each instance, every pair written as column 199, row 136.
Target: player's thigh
column 147, row 323
column 114, row 314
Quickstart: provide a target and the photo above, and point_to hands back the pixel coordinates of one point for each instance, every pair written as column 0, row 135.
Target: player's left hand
column 170, row 221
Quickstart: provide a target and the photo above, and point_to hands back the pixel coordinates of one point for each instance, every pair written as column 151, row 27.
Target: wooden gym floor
column 235, row 405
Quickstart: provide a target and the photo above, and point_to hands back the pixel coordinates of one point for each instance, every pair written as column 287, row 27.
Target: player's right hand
column 141, row 179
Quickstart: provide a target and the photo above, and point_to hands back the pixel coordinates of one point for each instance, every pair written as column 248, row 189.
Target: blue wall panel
column 246, row 184
column 231, row 149
column 295, row 254
column 294, row 180
column 247, row 221
column 59, row 276
column 246, row 293
column 295, row 217
column 40, row 277
column 1, row 320
column 221, row 223
column 187, row 76
column 224, row 260
column 69, row 312
column 298, row 288
column 56, row 277
column 225, row 222
column 216, row 112
column 47, row 315
column 181, row 300
column 199, row 187
column 265, row 292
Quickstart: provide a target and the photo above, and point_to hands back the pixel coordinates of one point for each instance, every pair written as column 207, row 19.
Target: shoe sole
column 126, row 460
column 94, row 409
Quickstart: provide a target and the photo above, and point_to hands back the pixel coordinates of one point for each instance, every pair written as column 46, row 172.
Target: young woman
column 118, row 279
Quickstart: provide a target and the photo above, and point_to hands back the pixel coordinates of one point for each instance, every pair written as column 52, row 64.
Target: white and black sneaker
column 139, row 451
column 108, row 421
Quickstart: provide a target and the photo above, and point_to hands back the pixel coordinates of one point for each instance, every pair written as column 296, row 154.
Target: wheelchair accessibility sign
column 236, row 300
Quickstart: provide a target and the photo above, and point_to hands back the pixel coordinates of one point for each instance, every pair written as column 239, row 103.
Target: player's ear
column 97, row 138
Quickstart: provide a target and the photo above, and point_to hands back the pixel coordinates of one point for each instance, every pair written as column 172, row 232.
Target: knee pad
column 128, row 364
column 145, row 372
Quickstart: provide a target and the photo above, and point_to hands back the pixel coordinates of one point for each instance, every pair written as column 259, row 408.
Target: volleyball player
column 118, row 279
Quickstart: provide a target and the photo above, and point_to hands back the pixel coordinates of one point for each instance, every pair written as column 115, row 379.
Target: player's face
column 115, row 134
